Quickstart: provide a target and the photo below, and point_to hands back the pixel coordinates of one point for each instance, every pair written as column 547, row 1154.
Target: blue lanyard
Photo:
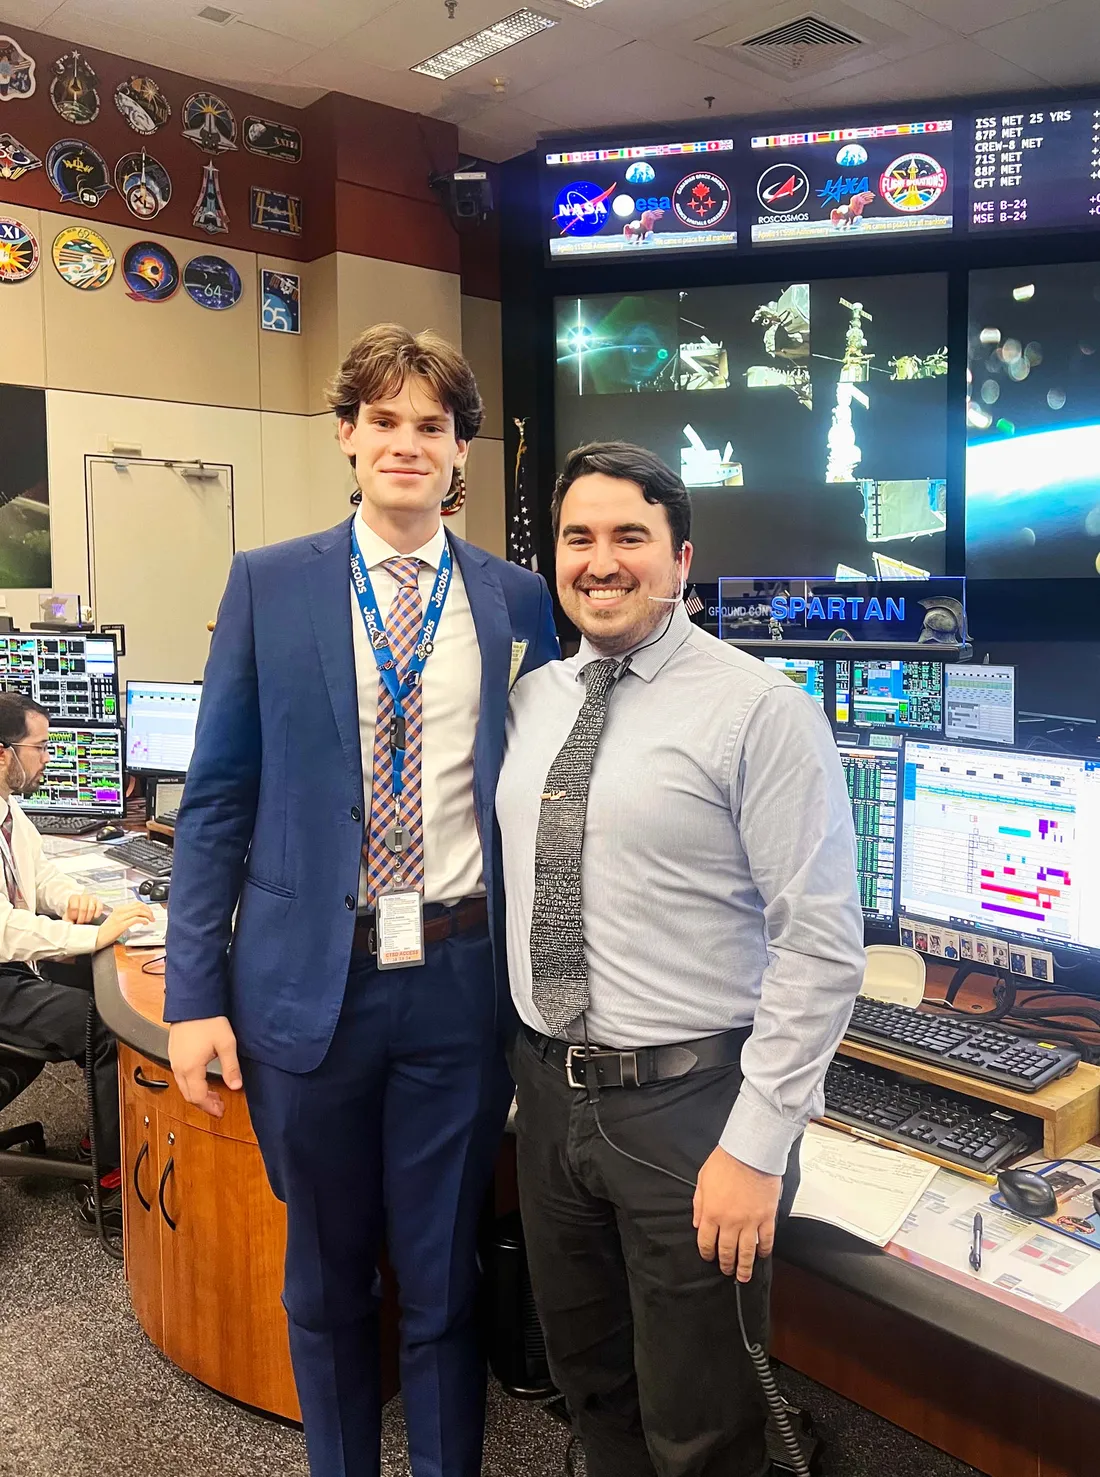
column 398, row 688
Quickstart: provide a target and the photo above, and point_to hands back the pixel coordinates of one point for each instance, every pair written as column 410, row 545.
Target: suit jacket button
column 356, row 813
column 349, row 902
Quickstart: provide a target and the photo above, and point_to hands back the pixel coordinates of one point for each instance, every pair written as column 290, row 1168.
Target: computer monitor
column 160, row 726
column 890, row 694
column 1004, row 843
column 74, row 677
column 83, row 776
column 872, row 777
column 809, row 675
column 980, row 703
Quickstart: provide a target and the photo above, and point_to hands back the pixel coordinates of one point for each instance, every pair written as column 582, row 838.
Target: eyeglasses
column 43, row 748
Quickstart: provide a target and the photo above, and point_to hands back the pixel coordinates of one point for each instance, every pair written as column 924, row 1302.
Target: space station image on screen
column 1033, row 423
column 807, row 418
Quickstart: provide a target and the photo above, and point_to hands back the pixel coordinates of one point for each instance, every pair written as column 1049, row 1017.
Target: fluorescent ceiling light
column 584, row 4
column 482, row 44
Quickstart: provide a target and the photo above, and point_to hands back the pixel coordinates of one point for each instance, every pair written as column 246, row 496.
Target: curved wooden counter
column 204, row 1235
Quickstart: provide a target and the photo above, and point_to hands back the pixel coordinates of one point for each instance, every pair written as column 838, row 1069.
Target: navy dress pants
column 395, row 1134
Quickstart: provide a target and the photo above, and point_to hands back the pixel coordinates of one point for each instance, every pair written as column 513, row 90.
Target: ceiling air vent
column 216, row 15
column 792, row 45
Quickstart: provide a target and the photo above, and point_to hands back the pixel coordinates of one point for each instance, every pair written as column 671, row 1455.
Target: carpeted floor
column 84, row 1394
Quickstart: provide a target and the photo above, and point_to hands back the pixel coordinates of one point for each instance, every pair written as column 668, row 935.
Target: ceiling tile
column 504, row 123
column 1060, row 43
column 661, row 87
column 553, row 54
column 154, row 51
column 317, row 24
column 345, row 68
column 968, row 16
column 32, row 14
column 641, row 18
column 239, row 46
column 949, row 71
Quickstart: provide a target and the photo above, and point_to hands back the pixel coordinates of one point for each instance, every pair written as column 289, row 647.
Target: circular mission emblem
column 913, row 182
column 701, row 199
column 18, row 250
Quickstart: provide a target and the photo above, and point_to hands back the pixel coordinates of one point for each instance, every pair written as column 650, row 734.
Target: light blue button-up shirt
column 718, row 872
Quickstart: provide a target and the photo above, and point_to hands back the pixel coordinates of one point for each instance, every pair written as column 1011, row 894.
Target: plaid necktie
column 402, row 630
column 559, row 967
column 11, row 881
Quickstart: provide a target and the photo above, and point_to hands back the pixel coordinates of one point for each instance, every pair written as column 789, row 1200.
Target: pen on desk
column 976, row 1243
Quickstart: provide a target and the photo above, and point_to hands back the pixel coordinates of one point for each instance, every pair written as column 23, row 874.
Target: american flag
column 693, row 604
column 521, row 530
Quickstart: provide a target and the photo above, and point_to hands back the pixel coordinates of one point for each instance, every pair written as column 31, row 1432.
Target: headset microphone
column 679, row 595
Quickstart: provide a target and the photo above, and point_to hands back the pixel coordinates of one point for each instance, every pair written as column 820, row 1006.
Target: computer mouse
column 158, row 893
column 110, row 832
column 145, row 888
column 1027, row 1193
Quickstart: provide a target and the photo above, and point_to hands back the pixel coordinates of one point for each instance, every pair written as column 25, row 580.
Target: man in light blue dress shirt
column 718, row 949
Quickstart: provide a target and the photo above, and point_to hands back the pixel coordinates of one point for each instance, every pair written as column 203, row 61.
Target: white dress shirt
column 24, row 934
column 451, row 686
column 718, row 873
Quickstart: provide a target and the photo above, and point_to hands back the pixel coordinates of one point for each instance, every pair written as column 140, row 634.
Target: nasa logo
column 581, row 208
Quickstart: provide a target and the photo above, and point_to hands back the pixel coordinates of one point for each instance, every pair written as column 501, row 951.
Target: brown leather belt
column 464, row 917
column 637, row 1068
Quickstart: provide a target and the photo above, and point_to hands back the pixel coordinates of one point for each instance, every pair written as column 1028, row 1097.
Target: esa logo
column 653, row 202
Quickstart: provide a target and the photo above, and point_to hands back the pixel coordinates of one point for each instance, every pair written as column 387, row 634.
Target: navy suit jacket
column 272, row 820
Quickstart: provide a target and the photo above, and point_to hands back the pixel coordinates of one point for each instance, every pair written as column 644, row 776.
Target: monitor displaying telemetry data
column 872, row 779
column 980, row 703
column 160, row 726
column 890, row 694
column 1035, row 166
column 627, row 198
column 890, row 180
column 75, row 678
column 807, row 675
column 808, row 418
column 1004, row 842
column 1033, row 423
column 84, row 774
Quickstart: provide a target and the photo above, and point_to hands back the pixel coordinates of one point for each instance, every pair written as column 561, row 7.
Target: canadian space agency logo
column 701, row 199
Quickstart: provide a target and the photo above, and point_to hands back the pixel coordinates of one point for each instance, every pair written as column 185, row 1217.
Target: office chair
column 23, row 1149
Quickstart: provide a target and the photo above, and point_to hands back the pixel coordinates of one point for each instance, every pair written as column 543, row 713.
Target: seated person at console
column 36, row 1012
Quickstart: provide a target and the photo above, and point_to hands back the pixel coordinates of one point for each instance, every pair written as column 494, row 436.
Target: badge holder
column 399, row 915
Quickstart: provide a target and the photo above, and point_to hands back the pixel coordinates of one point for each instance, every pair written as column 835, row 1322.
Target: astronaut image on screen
column 809, row 418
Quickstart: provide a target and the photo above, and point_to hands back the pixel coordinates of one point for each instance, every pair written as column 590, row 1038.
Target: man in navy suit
column 341, row 799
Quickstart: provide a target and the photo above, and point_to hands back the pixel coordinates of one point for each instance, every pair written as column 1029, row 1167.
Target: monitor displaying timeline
column 980, row 703
column 75, row 678
column 633, row 199
column 808, row 418
column 83, row 776
column 890, row 694
column 160, row 726
column 885, row 180
column 808, row 675
column 1035, row 166
column 872, row 778
column 1033, row 423
column 1002, row 842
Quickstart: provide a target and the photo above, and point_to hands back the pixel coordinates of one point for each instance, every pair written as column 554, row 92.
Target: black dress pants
column 641, row 1333
column 47, row 1016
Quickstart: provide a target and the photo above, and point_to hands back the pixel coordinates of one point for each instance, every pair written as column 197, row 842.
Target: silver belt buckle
column 570, row 1058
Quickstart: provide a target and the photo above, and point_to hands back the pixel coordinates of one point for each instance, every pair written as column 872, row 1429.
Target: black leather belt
column 439, row 924
column 642, row 1065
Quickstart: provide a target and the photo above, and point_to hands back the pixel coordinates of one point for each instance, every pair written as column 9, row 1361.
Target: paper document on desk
column 1018, row 1256
column 858, row 1186
column 96, row 874
column 149, row 935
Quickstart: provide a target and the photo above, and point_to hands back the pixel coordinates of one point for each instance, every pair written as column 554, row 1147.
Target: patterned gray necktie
column 559, row 968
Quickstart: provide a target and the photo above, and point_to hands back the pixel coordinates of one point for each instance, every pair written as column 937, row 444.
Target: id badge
column 399, row 922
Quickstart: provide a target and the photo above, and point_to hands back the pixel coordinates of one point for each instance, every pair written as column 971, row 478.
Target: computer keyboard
column 66, row 825
column 948, row 1125
column 169, row 817
column 989, row 1052
column 144, row 854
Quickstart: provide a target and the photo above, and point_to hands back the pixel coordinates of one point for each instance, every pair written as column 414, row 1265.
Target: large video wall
column 808, row 418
